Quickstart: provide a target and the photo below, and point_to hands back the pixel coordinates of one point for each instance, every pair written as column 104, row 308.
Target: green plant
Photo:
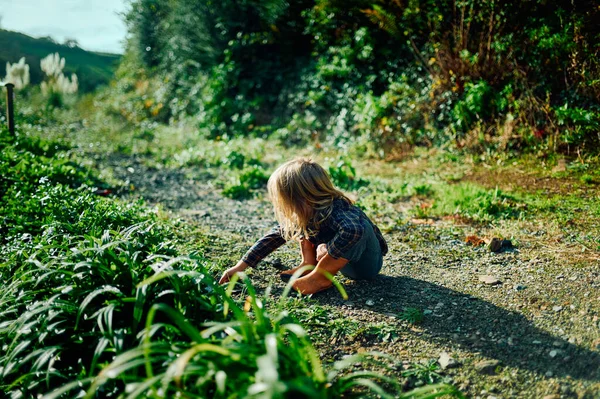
column 412, row 315
column 424, row 190
column 254, row 178
column 252, row 353
column 476, row 203
column 343, row 175
column 238, row 191
column 424, row 373
column 587, row 179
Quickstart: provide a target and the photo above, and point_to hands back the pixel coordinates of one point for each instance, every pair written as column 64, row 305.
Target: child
column 334, row 234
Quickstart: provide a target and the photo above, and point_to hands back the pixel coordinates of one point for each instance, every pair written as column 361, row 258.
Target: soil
column 539, row 322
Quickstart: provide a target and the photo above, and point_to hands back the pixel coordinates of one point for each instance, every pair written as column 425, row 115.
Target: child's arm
column 263, row 247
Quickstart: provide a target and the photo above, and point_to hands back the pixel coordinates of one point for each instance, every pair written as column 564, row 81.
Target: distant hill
column 93, row 69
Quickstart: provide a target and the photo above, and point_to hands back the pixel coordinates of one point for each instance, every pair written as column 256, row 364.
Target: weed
column 423, row 190
column 344, row 176
column 245, row 186
column 235, row 160
column 381, row 331
column 423, row 373
column 412, row 315
column 587, row 179
column 254, row 178
column 238, row 191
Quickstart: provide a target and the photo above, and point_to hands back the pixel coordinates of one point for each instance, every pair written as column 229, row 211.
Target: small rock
column 549, row 374
column 427, row 311
column 553, row 353
column 370, row 302
column 495, row 245
column 277, row 264
column 446, row 361
column 490, row 280
column 487, row 366
column 557, row 308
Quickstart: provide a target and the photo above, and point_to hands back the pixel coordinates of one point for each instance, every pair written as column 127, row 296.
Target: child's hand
column 240, row 267
column 321, row 251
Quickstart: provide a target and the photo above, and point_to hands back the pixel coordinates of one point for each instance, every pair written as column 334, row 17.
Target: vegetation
column 104, row 295
column 99, row 299
column 385, row 76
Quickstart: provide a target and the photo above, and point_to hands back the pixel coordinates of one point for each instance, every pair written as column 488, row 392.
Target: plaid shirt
column 341, row 230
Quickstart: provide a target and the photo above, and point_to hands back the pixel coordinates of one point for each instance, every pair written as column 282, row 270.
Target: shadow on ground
column 476, row 326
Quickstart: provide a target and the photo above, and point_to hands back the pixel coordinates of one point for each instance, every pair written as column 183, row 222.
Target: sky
column 95, row 24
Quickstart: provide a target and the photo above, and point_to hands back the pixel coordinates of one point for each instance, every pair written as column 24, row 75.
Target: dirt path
column 535, row 333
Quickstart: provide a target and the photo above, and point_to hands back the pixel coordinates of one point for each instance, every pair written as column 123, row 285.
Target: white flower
column 17, row 74
column 53, row 66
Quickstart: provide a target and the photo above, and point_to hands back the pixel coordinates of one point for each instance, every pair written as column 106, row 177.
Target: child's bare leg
column 309, row 256
column 316, row 280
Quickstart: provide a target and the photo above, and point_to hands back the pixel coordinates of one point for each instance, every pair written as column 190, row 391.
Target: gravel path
column 531, row 331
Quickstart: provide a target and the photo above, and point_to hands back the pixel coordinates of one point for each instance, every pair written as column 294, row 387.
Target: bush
column 475, row 74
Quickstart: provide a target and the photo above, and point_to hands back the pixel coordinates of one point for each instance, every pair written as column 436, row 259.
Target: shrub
column 343, row 175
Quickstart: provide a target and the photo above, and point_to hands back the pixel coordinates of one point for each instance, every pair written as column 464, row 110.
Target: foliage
column 246, row 184
column 390, row 75
column 424, row 373
column 343, row 175
column 412, row 315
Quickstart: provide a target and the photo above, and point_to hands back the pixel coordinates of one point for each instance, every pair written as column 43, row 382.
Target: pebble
column 370, row 302
column 446, row 361
column 557, row 308
column 487, row 366
column 490, row 280
column 553, row 353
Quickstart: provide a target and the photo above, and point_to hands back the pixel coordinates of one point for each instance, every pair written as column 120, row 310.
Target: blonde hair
column 302, row 195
